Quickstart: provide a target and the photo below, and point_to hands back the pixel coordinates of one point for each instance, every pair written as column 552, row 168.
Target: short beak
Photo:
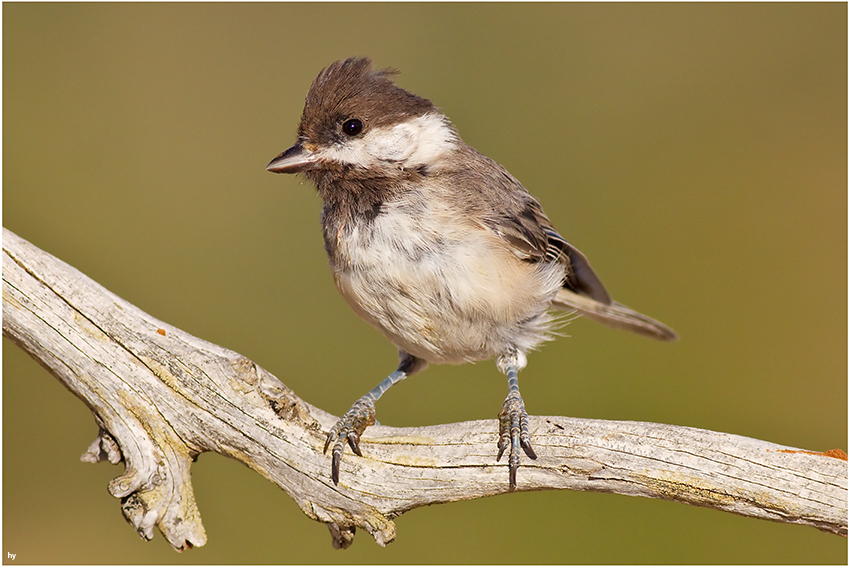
column 295, row 159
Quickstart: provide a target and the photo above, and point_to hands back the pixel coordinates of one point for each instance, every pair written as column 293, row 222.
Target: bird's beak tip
column 295, row 159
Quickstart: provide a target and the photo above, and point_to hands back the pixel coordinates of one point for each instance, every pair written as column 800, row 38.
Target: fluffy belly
column 444, row 299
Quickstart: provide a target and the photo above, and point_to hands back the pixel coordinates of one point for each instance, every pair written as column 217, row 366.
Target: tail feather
column 614, row 315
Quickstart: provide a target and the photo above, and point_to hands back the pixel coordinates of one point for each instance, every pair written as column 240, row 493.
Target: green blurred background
column 695, row 152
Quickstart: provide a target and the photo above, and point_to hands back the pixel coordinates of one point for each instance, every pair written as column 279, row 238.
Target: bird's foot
column 513, row 433
column 350, row 428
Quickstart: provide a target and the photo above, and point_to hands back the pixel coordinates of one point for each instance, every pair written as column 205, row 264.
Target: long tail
column 614, row 315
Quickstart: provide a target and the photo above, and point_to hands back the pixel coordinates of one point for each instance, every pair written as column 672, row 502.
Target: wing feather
column 512, row 213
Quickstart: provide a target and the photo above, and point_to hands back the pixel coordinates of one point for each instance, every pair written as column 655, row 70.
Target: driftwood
column 162, row 396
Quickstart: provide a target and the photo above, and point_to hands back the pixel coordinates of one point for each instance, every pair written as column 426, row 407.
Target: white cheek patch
column 419, row 141
column 350, row 153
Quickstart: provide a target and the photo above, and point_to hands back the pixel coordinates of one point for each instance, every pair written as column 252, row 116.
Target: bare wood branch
column 162, row 396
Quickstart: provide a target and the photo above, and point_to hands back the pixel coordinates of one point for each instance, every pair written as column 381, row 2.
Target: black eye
column 352, row 127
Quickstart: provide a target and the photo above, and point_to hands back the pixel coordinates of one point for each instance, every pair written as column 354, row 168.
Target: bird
column 436, row 245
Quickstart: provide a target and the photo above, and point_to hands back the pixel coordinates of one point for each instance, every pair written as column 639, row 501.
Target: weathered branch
column 162, row 396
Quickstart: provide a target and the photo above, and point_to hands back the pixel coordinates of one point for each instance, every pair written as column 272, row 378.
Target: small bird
column 436, row 245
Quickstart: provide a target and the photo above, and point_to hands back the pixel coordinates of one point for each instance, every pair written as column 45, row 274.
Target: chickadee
column 434, row 244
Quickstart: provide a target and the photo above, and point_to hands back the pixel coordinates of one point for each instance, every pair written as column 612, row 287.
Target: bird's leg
column 362, row 413
column 513, row 419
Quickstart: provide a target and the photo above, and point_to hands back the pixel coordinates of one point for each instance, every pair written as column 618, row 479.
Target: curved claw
column 337, row 458
column 349, row 429
column 513, row 433
column 354, row 441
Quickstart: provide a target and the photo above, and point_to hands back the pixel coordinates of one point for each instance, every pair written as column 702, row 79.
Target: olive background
column 696, row 153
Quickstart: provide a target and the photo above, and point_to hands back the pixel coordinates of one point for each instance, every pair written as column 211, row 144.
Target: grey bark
column 162, row 396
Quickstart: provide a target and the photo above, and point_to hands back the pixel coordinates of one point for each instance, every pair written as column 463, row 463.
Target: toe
column 348, row 430
column 513, row 435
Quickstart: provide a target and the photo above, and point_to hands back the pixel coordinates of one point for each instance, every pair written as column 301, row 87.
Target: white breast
column 443, row 290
